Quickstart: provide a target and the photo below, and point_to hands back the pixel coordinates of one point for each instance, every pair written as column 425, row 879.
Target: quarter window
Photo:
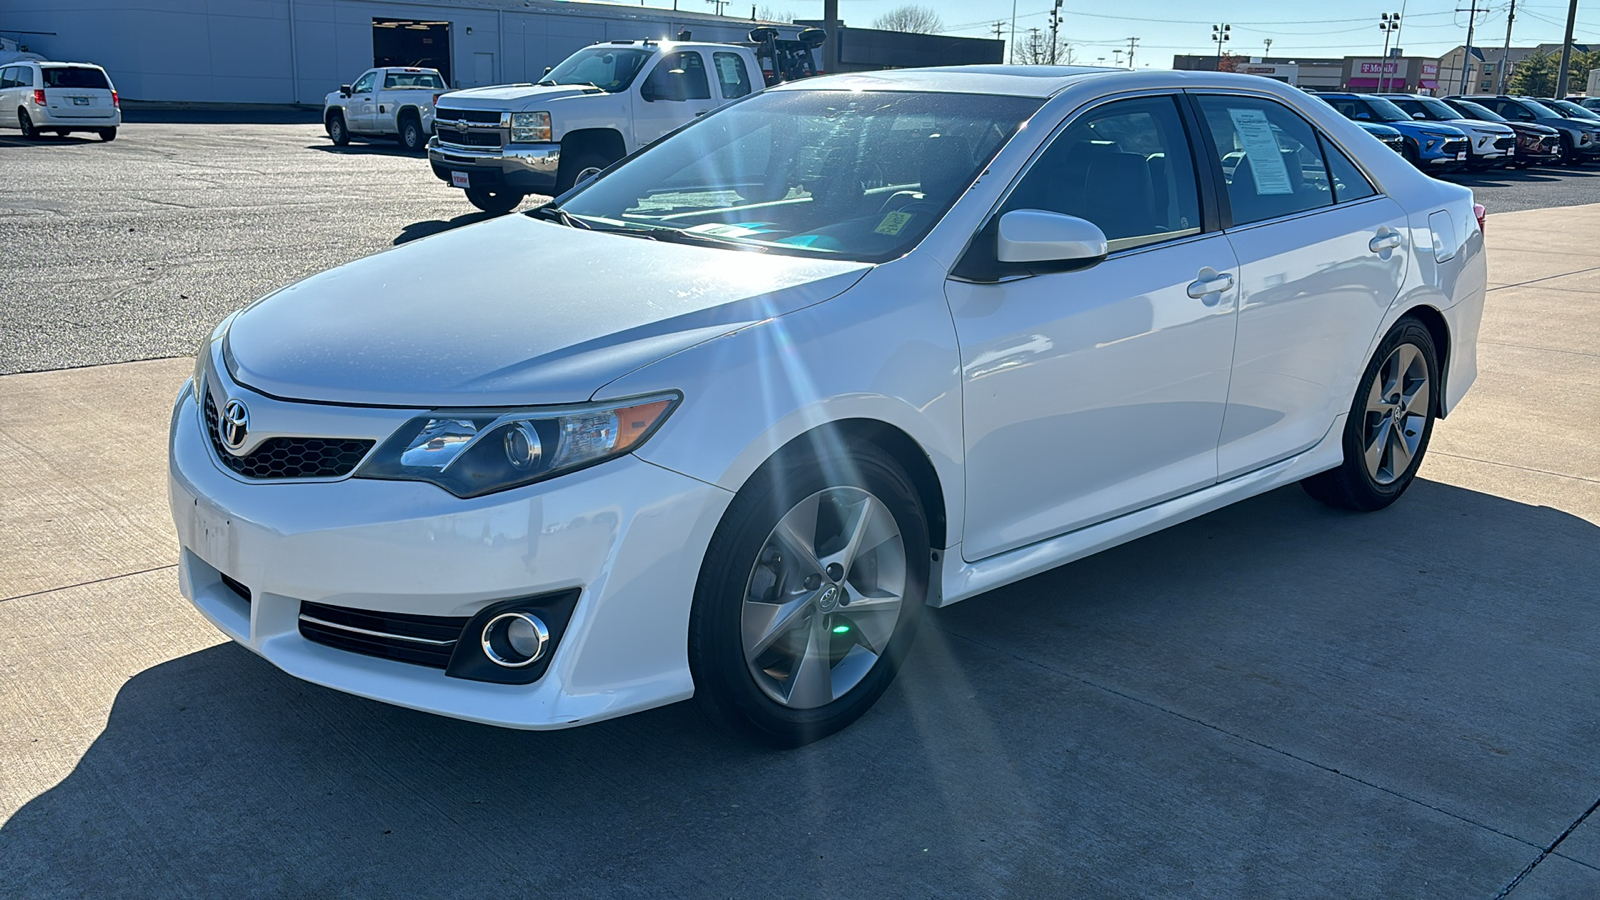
column 731, row 75
column 1124, row 166
column 1272, row 159
column 1348, row 182
column 8, row 77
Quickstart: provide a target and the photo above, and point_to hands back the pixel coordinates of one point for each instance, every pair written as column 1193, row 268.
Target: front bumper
column 530, row 168
column 628, row 534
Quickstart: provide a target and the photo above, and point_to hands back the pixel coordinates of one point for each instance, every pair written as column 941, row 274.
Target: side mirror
column 1363, row 117
column 1047, row 241
column 1419, row 116
column 344, row 89
column 547, row 69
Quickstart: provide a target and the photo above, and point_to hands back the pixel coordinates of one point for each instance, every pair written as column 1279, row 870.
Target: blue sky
column 1166, row 27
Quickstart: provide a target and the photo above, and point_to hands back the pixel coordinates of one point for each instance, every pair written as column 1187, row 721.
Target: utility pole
column 830, row 48
column 1268, row 43
column 1132, row 43
column 1013, row 32
column 1566, row 51
column 1034, row 47
column 1505, row 55
column 1388, row 23
column 1221, row 34
column 1055, row 29
column 1466, row 58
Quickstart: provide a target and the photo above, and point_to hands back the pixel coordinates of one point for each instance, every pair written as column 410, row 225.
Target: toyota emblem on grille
column 234, row 426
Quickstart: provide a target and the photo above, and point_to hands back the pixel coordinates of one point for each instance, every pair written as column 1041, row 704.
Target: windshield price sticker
column 893, row 223
column 1261, row 149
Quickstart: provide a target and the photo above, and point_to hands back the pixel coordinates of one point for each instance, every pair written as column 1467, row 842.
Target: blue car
column 1430, row 146
column 1390, row 137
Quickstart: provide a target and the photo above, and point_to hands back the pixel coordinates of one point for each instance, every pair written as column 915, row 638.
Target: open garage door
column 408, row 42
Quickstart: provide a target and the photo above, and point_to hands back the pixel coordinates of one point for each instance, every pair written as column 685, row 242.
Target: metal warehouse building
column 296, row 51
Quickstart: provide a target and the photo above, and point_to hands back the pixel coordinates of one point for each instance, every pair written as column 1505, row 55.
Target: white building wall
column 239, row 51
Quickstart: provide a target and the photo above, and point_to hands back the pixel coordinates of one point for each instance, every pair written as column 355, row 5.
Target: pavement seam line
column 68, row 587
column 1236, row 736
column 1481, row 342
column 1490, row 462
column 1542, row 278
column 1547, row 851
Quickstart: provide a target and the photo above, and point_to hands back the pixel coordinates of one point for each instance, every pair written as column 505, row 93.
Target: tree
column 1034, row 50
column 1228, row 63
column 773, row 14
column 911, row 18
column 1536, row 75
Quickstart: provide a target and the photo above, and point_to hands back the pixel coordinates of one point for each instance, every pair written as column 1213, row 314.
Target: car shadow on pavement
column 71, row 140
column 1510, row 177
column 374, row 149
column 1170, row 717
column 438, row 226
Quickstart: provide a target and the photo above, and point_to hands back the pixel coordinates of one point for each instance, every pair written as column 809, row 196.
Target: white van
column 58, row 97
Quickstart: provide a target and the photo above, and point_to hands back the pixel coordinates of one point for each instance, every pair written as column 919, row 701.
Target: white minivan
column 58, row 97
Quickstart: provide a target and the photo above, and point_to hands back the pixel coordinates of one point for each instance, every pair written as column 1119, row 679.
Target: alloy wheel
column 1398, row 404
column 823, row 598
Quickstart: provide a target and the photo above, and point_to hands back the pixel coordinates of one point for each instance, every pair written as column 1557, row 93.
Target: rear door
column 10, row 79
column 1321, row 259
column 77, row 92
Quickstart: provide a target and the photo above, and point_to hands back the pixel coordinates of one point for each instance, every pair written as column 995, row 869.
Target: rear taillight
column 1480, row 212
column 38, row 96
column 114, row 98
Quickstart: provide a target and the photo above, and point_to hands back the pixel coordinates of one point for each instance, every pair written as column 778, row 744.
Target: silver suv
column 59, row 97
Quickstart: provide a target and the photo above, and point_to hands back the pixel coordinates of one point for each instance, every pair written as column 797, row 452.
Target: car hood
column 1530, row 127
column 515, row 311
column 1476, row 126
column 498, row 96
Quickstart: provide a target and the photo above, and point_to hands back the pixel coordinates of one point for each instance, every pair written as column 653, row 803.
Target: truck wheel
column 496, row 203
column 107, row 134
column 411, row 136
column 337, row 131
column 578, row 168
column 29, row 133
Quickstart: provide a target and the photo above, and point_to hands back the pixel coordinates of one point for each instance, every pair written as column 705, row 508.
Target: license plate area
column 460, row 180
column 80, row 101
column 1461, row 156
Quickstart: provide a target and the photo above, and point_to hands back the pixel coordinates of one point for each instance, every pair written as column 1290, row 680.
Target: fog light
column 514, row 639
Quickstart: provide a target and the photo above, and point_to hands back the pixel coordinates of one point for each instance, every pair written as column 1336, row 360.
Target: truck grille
column 479, row 116
column 288, row 457
column 469, row 138
column 402, row 637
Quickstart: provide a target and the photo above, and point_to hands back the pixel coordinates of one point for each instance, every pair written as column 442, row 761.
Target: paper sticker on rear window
column 1261, row 150
column 893, row 223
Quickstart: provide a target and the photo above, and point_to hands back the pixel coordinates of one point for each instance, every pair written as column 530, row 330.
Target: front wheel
column 1389, row 425
column 809, row 596
column 338, row 132
column 579, row 168
column 496, row 203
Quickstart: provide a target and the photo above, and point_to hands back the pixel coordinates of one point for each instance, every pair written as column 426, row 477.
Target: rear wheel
column 29, row 133
column 809, row 596
column 1389, row 425
column 337, row 131
column 411, row 135
column 494, row 202
column 107, row 134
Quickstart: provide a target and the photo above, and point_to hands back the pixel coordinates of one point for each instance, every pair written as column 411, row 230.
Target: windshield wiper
column 557, row 214
column 696, row 238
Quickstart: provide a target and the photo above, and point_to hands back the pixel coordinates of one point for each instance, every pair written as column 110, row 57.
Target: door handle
column 1388, row 240
column 1210, row 283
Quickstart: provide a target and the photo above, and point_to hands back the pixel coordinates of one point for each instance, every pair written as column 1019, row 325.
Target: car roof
column 52, row 62
column 1031, row 81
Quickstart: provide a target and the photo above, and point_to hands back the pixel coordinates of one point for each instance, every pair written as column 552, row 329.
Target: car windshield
column 1570, row 110
column 74, row 77
column 1540, row 110
column 427, row 80
column 607, row 68
column 859, row 175
column 1385, row 111
column 1478, row 111
column 1437, row 110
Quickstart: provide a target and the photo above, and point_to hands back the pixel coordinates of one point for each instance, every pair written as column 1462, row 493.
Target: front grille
column 469, row 138
column 419, row 640
column 284, row 457
column 1455, row 145
column 481, row 116
column 1505, row 143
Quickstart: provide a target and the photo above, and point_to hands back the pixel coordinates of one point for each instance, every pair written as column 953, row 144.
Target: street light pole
column 1221, row 33
column 1566, row 51
column 1505, row 55
column 1388, row 23
column 1466, row 58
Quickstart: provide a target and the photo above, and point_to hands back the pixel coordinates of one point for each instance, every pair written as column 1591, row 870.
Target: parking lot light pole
column 1388, row 23
column 1220, row 34
column 1566, row 50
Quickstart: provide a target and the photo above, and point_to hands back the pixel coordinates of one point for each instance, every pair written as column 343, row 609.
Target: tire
column 61, row 132
column 572, row 170
column 25, row 122
column 1395, row 406
column 827, row 635
column 494, row 202
column 412, row 137
column 338, row 132
column 107, row 134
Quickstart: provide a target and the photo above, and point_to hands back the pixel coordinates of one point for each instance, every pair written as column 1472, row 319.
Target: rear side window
column 1348, row 182
column 686, row 65
column 74, row 77
column 731, row 75
column 1271, row 158
column 1124, row 166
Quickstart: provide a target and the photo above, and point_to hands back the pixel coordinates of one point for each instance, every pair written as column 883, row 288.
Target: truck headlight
column 475, row 452
column 530, row 128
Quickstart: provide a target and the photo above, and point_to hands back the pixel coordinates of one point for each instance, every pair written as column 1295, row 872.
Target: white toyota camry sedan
column 722, row 421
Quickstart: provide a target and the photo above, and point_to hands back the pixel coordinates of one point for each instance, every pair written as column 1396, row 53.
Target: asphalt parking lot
column 1273, row 700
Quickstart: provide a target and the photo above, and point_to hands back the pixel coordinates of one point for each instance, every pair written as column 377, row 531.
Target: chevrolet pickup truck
column 500, row 144
column 392, row 102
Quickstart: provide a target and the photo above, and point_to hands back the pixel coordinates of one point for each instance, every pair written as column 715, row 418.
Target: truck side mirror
column 344, row 90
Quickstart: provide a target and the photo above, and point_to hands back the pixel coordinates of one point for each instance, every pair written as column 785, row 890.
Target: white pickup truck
column 603, row 102
column 393, row 102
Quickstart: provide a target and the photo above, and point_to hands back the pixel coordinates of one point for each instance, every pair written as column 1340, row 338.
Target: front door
column 1321, row 259
column 674, row 93
column 1094, row 393
column 361, row 110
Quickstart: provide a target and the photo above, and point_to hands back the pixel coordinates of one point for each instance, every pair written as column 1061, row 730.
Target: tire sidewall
column 1406, row 331
column 411, row 133
column 723, row 683
column 338, row 132
column 25, row 122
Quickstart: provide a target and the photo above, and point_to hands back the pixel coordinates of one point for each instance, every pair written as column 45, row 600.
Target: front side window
column 1271, row 158
column 731, row 75
column 857, row 175
column 364, row 83
column 678, row 76
column 607, row 68
column 74, row 77
column 1124, row 166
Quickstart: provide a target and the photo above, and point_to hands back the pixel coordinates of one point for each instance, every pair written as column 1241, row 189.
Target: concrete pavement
column 1273, row 700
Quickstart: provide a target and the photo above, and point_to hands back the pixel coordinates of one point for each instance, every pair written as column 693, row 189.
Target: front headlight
column 475, row 452
column 530, row 128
